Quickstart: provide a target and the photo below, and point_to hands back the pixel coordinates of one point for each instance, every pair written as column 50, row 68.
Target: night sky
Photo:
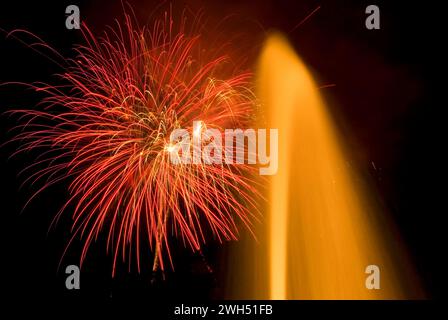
column 385, row 96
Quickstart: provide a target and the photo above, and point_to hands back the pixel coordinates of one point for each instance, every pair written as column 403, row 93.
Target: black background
column 387, row 101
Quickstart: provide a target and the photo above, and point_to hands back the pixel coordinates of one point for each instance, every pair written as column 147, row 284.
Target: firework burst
column 107, row 129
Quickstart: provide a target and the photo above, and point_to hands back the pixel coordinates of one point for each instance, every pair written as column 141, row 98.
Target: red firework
column 108, row 128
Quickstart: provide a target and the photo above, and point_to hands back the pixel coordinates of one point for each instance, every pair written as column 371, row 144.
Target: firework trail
column 107, row 128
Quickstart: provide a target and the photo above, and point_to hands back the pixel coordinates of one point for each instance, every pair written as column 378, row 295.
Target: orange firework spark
column 108, row 130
